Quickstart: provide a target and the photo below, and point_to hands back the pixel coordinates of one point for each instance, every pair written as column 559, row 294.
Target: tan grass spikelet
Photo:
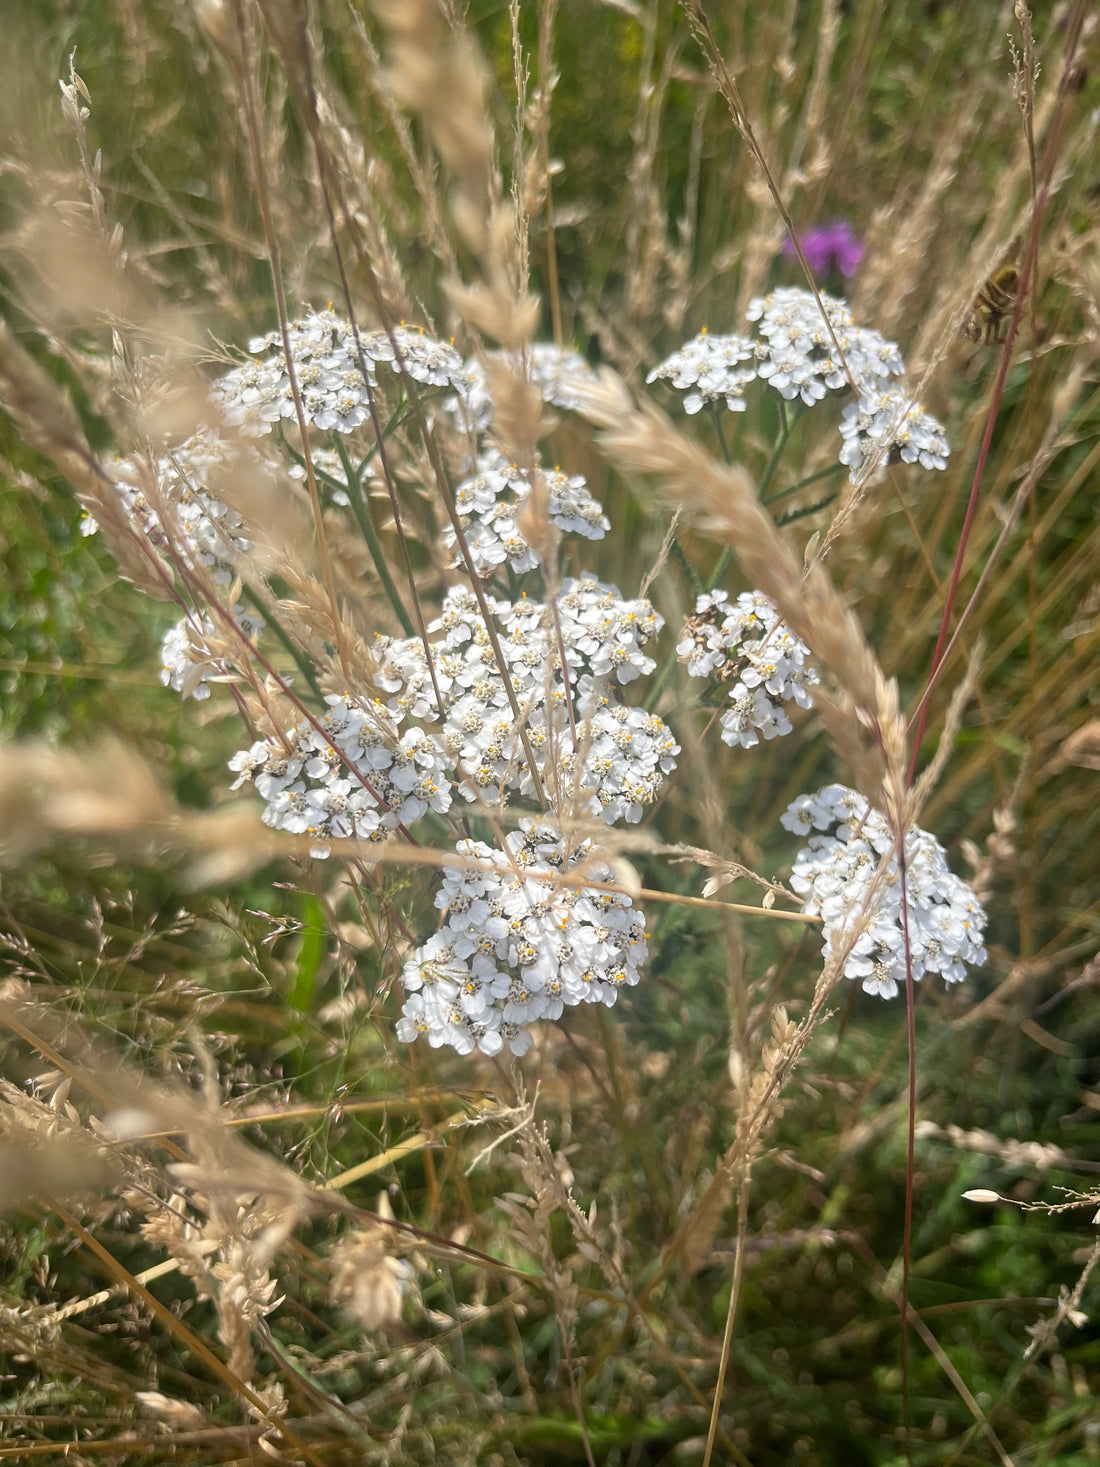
column 250, row 1203
column 108, row 796
column 46, row 1150
column 534, row 523
column 368, row 1281
column 1082, row 747
column 759, row 1105
column 517, row 410
column 496, row 307
column 434, row 70
column 48, row 793
column 173, row 1414
column 168, row 1225
column 348, row 178
column 44, row 415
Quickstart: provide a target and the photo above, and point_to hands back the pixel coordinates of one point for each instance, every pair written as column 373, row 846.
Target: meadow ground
column 447, row 524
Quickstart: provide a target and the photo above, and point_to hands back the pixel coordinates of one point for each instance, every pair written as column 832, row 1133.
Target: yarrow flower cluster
column 886, row 424
column 187, row 518
column 336, row 372
column 710, row 369
column 509, row 701
column 796, row 354
column 490, row 504
column 601, row 757
column 796, row 350
column 747, row 645
column 835, row 872
column 350, row 774
column 187, row 522
column 517, row 946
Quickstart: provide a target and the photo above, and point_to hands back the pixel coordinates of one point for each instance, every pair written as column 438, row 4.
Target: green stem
column 801, row 484
column 513, row 583
column 370, row 535
column 716, row 415
column 301, row 662
column 801, row 513
column 686, row 566
column 727, row 554
column 719, row 568
column 785, row 426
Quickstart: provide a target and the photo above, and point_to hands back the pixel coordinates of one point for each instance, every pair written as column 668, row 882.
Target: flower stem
column 301, row 661
column 785, row 426
column 370, row 535
column 801, row 484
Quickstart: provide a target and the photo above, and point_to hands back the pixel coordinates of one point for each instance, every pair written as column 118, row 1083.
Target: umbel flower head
column 188, row 517
column 329, row 361
column 798, row 353
column 746, row 645
column 490, row 505
column 710, row 369
column 517, row 946
column 807, row 351
column 835, row 875
column 888, row 426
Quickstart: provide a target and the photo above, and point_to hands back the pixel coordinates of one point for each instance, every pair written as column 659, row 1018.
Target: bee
column 989, row 315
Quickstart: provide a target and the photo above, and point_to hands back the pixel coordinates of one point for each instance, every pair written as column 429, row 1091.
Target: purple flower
column 832, row 244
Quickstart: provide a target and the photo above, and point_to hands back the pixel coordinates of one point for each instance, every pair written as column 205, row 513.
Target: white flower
column 748, row 644
column 489, row 502
column 336, row 372
column 572, row 507
column 181, row 513
column 544, row 947
column 357, row 778
column 886, row 426
column 795, row 350
column 798, row 353
column 627, row 752
column 187, row 665
column 834, row 875
column 710, row 369
column 432, row 363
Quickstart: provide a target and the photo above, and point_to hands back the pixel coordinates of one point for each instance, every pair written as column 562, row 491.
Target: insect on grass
column 989, row 315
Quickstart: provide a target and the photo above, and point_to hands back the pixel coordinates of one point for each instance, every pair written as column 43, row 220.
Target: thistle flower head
column 828, row 245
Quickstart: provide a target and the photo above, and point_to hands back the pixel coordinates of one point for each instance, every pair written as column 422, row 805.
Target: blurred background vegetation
column 901, row 119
